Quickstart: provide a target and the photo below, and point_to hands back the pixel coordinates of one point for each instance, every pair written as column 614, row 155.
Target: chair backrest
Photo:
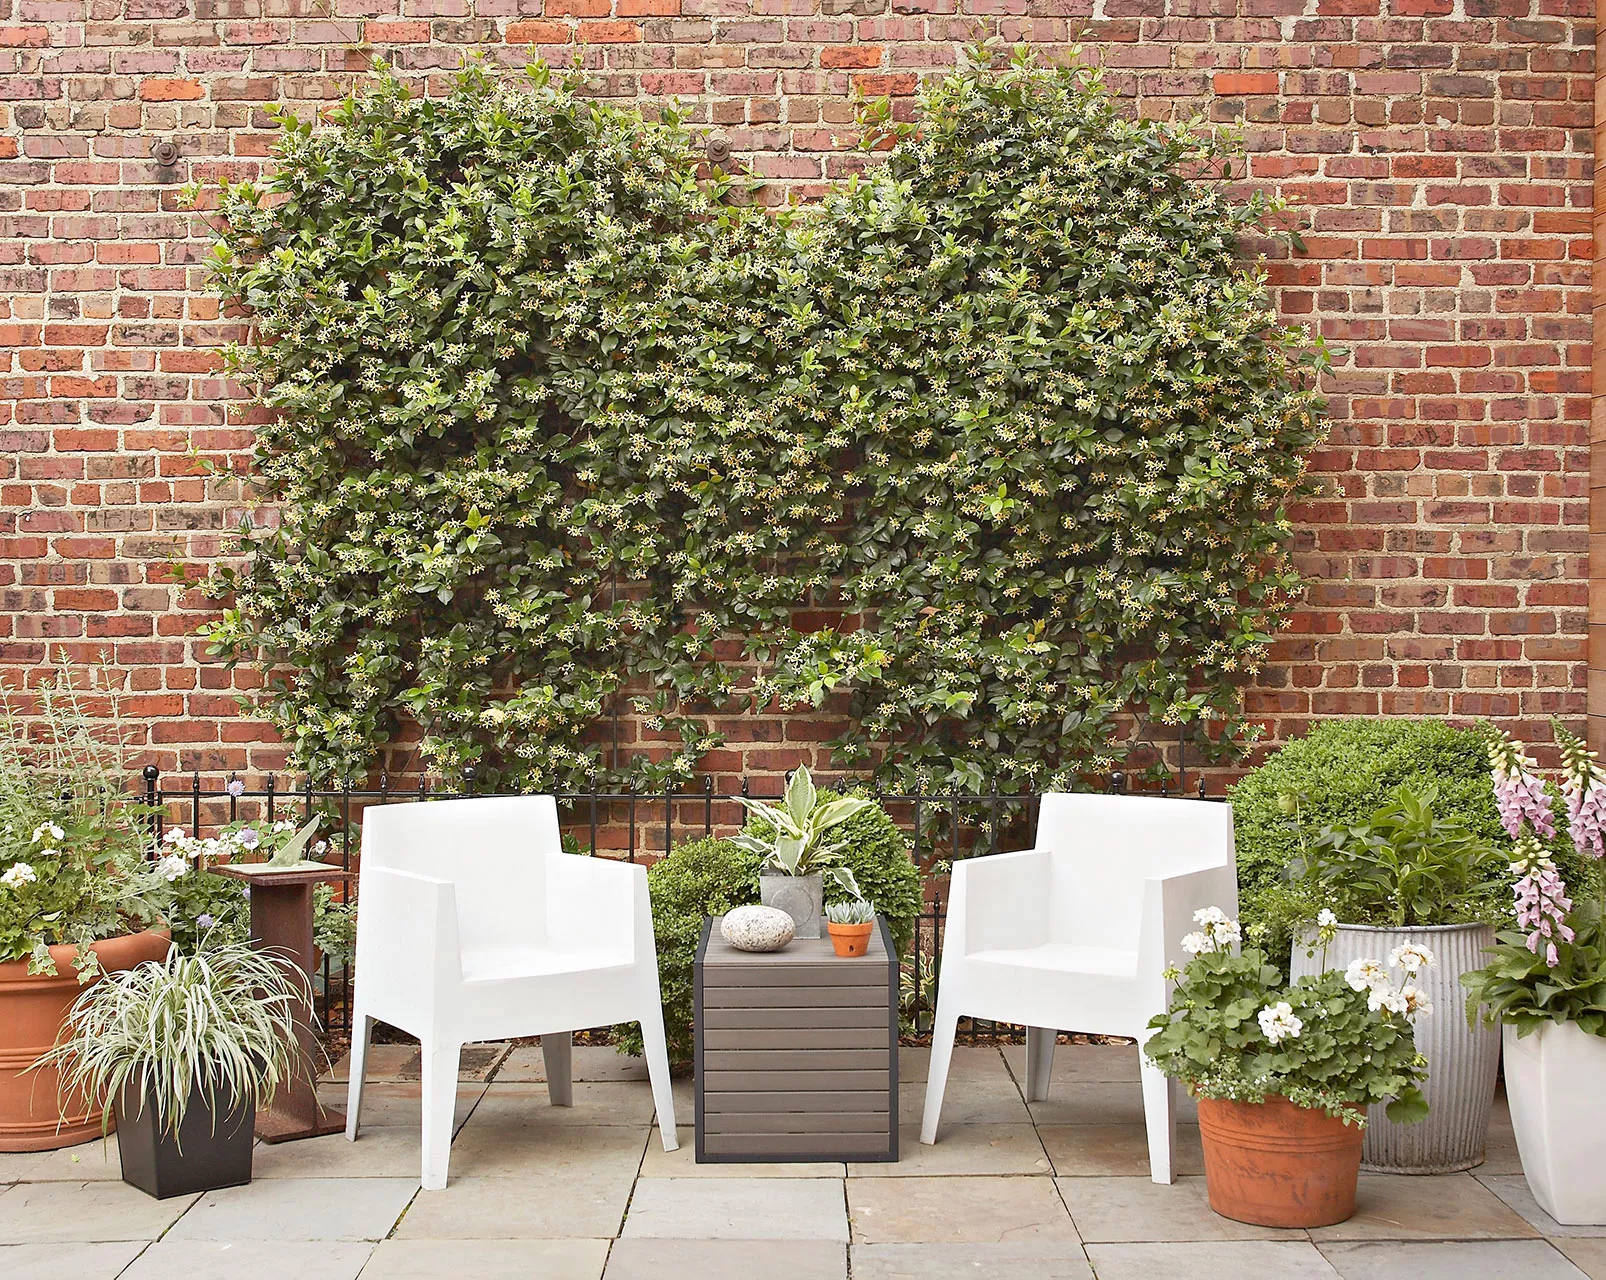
column 1106, row 846
column 493, row 850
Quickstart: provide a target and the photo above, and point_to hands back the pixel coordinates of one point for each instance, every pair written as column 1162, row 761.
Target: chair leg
column 557, row 1052
column 440, row 1103
column 657, row 1052
column 1160, row 1118
column 1039, row 1061
column 944, row 1028
column 361, row 1027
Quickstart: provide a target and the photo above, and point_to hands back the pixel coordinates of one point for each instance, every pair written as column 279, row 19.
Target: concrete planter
column 1462, row 1060
column 801, row 897
column 1555, row 1079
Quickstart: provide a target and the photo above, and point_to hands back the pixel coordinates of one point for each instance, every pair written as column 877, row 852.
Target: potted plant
column 184, row 1051
column 850, row 925
column 1545, row 984
column 799, row 849
column 1415, row 873
column 1285, row 1072
column 75, row 898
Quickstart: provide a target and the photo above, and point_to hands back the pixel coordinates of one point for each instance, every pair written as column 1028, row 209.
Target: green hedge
column 709, row 877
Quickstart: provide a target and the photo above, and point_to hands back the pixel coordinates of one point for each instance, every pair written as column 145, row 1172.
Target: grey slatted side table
column 797, row 1051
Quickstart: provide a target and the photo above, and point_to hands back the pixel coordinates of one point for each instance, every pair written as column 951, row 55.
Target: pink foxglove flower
column 1541, row 900
column 1519, row 794
column 1584, row 788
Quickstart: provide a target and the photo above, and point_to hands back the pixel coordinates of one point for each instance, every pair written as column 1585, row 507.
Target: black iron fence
column 638, row 825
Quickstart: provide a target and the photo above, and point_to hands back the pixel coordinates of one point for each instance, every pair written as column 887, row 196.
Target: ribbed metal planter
column 1462, row 1060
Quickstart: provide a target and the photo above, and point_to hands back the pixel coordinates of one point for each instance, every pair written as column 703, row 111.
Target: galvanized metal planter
column 797, row 1051
column 1462, row 1060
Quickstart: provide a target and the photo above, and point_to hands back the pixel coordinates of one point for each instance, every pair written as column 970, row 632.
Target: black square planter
column 202, row 1157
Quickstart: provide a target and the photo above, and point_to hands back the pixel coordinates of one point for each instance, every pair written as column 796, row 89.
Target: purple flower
column 236, row 788
column 1541, row 899
column 249, row 839
column 204, row 921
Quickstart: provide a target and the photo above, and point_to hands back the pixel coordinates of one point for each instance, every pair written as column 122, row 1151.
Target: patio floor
column 1052, row 1191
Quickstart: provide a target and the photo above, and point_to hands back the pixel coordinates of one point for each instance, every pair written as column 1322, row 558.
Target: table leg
column 281, row 918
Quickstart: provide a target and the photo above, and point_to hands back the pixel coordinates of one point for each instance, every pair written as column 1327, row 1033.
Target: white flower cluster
column 46, row 833
column 1278, row 1023
column 17, row 875
column 1372, row 977
column 1218, row 933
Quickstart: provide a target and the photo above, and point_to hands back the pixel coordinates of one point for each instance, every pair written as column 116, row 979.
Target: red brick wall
column 1441, row 149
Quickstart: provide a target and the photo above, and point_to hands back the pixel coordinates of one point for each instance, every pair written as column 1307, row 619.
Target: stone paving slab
column 298, row 1209
column 1213, row 1260
column 682, row 1163
column 987, row 1100
column 649, row 1259
column 487, row 1150
column 1587, row 1253
column 1138, row 1211
column 1392, row 1206
column 1450, row 1260
column 94, row 1161
column 1101, row 1102
column 969, row 1062
column 971, row 1211
column 486, row 1260
column 1115, row 1150
column 84, row 1212
column 1044, row 1261
column 249, row 1260
column 962, row 1150
column 388, row 1151
column 400, row 1062
column 388, row 1104
column 594, row 1104
column 1513, row 1191
column 586, row 1205
column 67, row 1261
column 738, row 1209
column 1080, row 1064
column 588, row 1062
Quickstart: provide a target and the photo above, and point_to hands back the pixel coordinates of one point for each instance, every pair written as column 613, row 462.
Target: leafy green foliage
column 856, row 911
column 710, row 877
column 72, row 868
column 1410, row 863
column 1519, row 987
column 1344, row 1055
column 1339, row 775
column 798, row 838
column 221, row 1017
column 992, row 445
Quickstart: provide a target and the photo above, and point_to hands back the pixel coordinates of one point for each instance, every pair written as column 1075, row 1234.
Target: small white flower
column 236, row 788
column 1210, row 915
column 248, row 838
column 1410, row 957
column 1365, row 975
column 48, row 853
column 1385, row 998
column 1416, row 1001
column 1277, row 1022
column 284, row 824
column 1194, row 943
column 1326, row 919
column 172, row 867
column 321, row 848
column 17, row 875
column 174, row 835
column 49, row 829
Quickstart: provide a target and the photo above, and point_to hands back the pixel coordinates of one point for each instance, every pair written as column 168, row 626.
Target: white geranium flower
column 1326, row 919
column 48, row 853
column 174, row 835
column 17, row 875
column 49, row 829
column 1277, row 1022
column 1211, row 916
column 284, row 824
column 1194, row 943
column 1416, row 1001
column 1411, row 957
column 1365, row 975
column 172, row 867
column 1385, row 998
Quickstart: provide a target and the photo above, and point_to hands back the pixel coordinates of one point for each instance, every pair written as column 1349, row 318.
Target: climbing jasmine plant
column 988, row 451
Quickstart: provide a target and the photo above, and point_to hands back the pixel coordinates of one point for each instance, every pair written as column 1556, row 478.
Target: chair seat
column 511, row 963
column 1063, row 957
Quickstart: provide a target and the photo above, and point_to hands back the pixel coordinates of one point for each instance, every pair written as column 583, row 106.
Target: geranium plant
column 1552, row 966
column 72, row 841
column 1336, row 1042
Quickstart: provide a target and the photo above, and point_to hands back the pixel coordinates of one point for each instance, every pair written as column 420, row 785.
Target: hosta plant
column 221, row 1018
column 1334, row 1042
column 803, row 834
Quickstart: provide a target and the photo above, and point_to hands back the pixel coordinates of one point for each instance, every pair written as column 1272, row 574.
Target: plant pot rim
column 838, row 927
column 65, row 956
column 1409, row 928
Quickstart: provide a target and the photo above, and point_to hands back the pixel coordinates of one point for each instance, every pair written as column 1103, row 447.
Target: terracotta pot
column 1277, row 1165
column 850, row 939
column 34, row 1113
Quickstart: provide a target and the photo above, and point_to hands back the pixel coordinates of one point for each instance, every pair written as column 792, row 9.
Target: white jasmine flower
column 284, row 824
column 1277, row 1022
column 17, row 875
column 1410, row 957
column 1365, row 975
column 172, row 867
column 1326, row 919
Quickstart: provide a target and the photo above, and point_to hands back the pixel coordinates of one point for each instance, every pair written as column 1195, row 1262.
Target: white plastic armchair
column 1076, row 934
column 475, row 925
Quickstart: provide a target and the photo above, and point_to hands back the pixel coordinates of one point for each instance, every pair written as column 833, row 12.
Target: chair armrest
column 1001, row 900
column 593, row 902
column 407, row 942
column 1169, row 904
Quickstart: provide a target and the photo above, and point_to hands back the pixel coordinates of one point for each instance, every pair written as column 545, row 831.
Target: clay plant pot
column 1277, row 1165
column 850, row 939
column 35, row 1113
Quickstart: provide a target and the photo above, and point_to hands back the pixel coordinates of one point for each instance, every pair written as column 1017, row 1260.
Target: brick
column 162, row 90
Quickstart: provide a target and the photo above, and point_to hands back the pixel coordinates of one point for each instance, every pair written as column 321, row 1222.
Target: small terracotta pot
column 1277, row 1165
column 850, row 939
column 35, row 1114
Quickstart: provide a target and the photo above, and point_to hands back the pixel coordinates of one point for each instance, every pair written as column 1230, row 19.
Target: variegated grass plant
column 220, row 1018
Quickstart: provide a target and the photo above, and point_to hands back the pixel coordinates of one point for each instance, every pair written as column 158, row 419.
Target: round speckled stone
column 756, row 928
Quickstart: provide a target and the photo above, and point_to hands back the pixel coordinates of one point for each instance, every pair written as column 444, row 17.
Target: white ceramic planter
column 801, row 897
column 1463, row 1061
column 1556, row 1080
